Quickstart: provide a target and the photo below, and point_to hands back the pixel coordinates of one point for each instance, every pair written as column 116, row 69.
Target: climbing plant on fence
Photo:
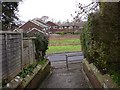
column 101, row 39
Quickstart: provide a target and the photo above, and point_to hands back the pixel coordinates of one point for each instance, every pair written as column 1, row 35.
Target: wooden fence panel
column 11, row 55
column 25, row 61
column 0, row 60
column 15, row 54
column 32, row 51
column 28, row 52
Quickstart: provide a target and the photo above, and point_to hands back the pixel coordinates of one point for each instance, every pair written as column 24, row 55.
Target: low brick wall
column 96, row 78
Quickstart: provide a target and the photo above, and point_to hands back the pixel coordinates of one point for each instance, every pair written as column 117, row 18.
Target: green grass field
column 64, row 44
column 59, row 49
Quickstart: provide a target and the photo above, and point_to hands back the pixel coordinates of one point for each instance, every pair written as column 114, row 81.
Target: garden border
column 96, row 78
column 31, row 81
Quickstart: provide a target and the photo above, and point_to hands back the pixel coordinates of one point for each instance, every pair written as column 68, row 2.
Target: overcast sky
column 56, row 9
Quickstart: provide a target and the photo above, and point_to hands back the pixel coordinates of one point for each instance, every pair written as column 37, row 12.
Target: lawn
column 59, row 49
column 66, row 43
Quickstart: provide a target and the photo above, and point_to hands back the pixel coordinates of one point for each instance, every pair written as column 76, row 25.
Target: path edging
column 32, row 80
column 96, row 78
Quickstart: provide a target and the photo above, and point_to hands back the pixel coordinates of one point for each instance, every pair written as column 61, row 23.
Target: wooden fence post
column 29, row 51
column 7, row 70
column 21, row 51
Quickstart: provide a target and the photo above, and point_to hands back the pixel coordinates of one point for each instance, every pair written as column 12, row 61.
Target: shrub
column 101, row 40
column 41, row 45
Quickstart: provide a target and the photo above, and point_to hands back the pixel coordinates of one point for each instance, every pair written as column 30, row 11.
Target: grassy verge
column 60, row 49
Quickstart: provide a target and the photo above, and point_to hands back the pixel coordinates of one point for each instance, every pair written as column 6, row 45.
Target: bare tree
column 44, row 18
column 83, row 11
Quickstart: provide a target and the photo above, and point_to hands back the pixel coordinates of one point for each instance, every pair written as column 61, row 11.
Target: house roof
column 28, row 26
column 51, row 23
column 32, row 24
column 35, row 29
column 39, row 23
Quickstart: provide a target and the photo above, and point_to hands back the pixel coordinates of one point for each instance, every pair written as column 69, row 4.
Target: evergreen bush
column 100, row 39
column 41, row 45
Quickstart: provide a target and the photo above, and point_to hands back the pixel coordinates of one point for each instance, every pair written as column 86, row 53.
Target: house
column 32, row 27
column 64, row 27
column 52, row 27
column 70, row 27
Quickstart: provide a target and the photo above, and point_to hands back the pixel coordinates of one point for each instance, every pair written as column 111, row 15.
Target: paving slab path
column 63, row 78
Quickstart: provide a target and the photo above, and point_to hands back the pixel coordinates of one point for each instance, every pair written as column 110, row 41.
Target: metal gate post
column 67, row 62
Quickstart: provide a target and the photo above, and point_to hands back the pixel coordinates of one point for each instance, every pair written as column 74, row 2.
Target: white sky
column 56, row 9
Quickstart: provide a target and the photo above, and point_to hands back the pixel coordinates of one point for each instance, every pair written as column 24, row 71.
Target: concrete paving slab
column 62, row 78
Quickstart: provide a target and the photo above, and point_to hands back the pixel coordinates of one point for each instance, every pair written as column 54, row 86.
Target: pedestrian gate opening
column 67, row 57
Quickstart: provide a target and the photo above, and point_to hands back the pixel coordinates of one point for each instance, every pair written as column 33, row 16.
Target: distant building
column 65, row 27
column 32, row 27
column 52, row 27
column 37, row 26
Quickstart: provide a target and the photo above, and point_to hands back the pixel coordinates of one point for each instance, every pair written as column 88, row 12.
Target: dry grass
column 68, row 36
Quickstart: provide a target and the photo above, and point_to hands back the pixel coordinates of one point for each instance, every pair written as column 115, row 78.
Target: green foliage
column 64, row 33
column 41, row 45
column 61, row 33
column 42, row 62
column 8, row 15
column 101, row 40
column 27, row 71
column 116, row 77
column 77, row 33
column 30, row 68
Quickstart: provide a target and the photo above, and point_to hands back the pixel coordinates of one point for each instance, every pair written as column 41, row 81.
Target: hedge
column 100, row 39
